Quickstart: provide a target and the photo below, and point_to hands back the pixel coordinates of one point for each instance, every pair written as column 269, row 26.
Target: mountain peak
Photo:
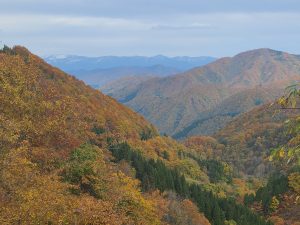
column 182, row 99
column 265, row 52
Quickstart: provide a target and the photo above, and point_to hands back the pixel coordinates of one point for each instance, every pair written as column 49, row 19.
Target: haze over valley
column 99, row 71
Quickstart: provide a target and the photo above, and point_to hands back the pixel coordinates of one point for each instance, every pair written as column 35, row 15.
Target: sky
column 150, row 27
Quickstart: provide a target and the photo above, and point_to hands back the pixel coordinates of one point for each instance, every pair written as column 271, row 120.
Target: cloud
column 192, row 26
column 140, row 27
column 145, row 8
column 101, row 22
column 11, row 21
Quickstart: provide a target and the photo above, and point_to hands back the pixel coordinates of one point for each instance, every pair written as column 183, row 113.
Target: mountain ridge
column 106, row 62
column 180, row 99
column 98, row 71
column 83, row 157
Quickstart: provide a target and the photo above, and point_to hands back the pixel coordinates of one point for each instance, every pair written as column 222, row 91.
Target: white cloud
column 215, row 34
column 104, row 22
column 189, row 26
column 35, row 21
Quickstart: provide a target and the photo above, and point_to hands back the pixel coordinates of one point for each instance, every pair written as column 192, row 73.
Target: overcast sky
column 140, row 27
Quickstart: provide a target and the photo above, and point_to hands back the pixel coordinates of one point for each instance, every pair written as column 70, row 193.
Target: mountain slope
column 56, row 90
column 49, row 124
column 131, row 84
column 263, row 142
column 100, row 77
column 250, row 138
column 70, row 154
column 217, row 117
column 175, row 103
column 251, row 68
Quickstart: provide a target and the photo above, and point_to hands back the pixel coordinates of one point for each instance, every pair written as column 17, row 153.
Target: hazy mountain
column 122, row 86
column 100, row 77
column 98, row 71
column 217, row 117
column 179, row 104
column 76, row 63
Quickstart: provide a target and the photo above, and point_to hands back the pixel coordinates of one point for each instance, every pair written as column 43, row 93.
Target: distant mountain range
column 98, row 71
column 205, row 99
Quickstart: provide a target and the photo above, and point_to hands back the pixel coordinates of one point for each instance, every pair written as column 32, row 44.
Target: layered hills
column 98, row 71
column 71, row 155
column 101, row 77
column 205, row 99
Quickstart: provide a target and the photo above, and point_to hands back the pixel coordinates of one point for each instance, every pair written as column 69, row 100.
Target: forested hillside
column 251, row 137
column 219, row 116
column 279, row 198
column 46, row 119
column 71, row 155
column 263, row 143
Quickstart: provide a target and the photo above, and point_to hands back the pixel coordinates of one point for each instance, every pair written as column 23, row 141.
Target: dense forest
column 71, row 155
column 155, row 175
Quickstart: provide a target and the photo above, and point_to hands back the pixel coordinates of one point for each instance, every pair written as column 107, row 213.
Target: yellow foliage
column 191, row 168
column 294, row 181
column 274, row 204
column 230, row 222
column 29, row 197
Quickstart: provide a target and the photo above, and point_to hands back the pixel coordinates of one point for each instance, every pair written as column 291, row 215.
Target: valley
column 137, row 112
column 87, row 159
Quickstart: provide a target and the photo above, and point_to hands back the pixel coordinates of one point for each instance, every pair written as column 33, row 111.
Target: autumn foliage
column 58, row 164
column 47, row 173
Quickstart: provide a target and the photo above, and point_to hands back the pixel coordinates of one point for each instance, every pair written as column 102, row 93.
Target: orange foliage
column 277, row 220
column 176, row 211
column 44, row 115
column 205, row 146
column 47, row 107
